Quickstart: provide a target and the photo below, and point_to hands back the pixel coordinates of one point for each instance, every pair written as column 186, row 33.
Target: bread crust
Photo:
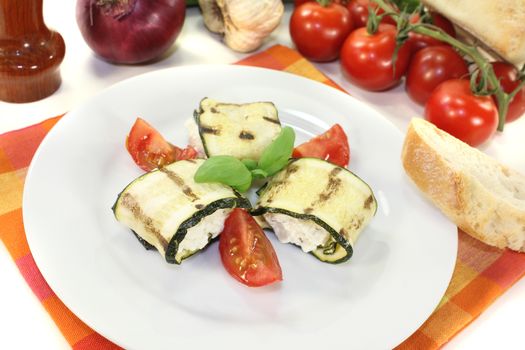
column 499, row 24
column 459, row 194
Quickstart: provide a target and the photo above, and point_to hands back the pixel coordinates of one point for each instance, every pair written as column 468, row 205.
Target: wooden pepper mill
column 30, row 53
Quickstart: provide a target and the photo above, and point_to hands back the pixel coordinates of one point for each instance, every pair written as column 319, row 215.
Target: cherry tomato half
column 453, row 108
column 319, row 31
column 246, row 252
column 430, row 67
column 332, row 145
column 366, row 58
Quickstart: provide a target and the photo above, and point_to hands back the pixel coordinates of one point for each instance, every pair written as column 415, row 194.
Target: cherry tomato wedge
column 184, row 153
column 332, row 145
column 246, row 252
column 453, row 107
column 150, row 150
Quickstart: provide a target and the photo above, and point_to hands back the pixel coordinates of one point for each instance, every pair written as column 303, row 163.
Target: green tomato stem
column 467, row 50
column 324, row 3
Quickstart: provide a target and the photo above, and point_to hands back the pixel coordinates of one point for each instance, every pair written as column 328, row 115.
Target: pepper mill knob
column 30, row 53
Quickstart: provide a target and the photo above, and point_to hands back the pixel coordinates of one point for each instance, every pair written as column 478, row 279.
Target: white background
column 24, row 324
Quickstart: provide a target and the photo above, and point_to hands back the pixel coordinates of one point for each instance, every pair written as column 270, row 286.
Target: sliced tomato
column 246, row 252
column 185, row 153
column 331, row 145
column 150, row 150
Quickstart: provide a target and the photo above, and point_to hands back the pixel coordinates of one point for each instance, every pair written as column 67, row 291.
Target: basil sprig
column 227, row 170
column 239, row 174
column 276, row 155
column 250, row 163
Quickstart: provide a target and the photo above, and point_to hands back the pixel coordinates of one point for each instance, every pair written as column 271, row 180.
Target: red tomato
column 300, row 2
column 508, row 76
column 246, row 253
column 359, row 11
column 453, row 108
column 332, row 145
column 366, row 59
column 184, row 153
column 430, row 67
column 418, row 41
column 150, row 150
column 319, row 31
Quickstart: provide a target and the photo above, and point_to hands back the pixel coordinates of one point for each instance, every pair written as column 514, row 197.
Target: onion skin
column 130, row 31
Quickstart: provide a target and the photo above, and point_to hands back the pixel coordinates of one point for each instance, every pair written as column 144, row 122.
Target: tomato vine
column 487, row 74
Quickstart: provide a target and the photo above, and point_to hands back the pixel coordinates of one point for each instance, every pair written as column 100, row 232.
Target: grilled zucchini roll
column 169, row 211
column 318, row 206
column 239, row 130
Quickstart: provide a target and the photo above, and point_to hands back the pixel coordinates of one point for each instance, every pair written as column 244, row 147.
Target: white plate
column 400, row 269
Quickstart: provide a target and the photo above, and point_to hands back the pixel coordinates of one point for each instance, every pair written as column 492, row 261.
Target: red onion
column 130, row 31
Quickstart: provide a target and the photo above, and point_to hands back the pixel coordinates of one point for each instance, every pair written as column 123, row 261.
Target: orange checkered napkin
column 482, row 273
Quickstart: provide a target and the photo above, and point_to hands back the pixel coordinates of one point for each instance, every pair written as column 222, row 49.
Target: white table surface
column 24, row 324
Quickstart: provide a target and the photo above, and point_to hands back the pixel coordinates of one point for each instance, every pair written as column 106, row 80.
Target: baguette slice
column 498, row 24
column 482, row 197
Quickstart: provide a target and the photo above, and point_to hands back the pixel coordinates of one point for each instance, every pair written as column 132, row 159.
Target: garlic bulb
column 212, row 14
column 244, row 23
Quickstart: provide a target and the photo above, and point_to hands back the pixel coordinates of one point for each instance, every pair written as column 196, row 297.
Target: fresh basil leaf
column 227, row 170
column 259, row 174
column 249, row 163
column 277, row 154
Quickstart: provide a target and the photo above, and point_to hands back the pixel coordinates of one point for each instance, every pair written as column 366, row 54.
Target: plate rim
column 75, row 111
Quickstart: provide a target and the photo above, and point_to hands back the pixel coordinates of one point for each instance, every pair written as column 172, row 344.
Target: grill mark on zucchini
column 246, row 135
column 129, row 202
column 209, row 130
column 214, row 110
column 368, row 202
column 292, row 168
column 180, row 182
column 271, row 120
column 277, row 184
column 333, row 185
column 356, row 223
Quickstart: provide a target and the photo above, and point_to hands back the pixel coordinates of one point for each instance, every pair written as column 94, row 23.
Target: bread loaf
column 481, row 196
column 499, row 24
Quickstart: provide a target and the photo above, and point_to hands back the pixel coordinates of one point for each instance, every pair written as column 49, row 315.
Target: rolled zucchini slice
column 239, row 130
column 169, row 211
column 318, row 206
